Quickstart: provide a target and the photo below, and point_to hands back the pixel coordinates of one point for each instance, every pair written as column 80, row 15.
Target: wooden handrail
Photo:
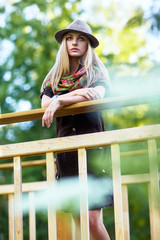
column 88, row 106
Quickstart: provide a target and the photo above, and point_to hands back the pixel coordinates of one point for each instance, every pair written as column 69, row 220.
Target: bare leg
column 97, row 228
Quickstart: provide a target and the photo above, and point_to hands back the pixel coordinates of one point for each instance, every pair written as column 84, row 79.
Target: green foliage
column 29, row 29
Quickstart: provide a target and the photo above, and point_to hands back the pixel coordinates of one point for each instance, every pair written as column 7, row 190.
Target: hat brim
column 60, row 34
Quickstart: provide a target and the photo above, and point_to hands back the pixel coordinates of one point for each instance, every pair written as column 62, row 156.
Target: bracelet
column 53, row 98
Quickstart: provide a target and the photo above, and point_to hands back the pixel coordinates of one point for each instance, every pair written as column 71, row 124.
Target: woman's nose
column 74, row 42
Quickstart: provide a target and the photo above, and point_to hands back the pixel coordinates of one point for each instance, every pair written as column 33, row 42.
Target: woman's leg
column 96, row 226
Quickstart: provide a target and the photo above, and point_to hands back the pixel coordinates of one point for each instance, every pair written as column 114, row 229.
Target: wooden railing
column 49, row 147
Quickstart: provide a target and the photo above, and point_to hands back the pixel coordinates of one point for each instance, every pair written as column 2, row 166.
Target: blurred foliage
column 27, row 29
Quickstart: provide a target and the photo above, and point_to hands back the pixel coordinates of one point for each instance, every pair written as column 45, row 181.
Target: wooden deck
column 49, row 147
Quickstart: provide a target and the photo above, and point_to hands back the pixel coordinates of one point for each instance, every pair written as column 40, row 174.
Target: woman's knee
column 94, row 219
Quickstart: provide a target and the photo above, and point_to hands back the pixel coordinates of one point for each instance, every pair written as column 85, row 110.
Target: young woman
column 78, row 75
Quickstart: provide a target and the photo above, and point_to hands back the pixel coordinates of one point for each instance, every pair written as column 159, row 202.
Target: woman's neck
column 73, row 65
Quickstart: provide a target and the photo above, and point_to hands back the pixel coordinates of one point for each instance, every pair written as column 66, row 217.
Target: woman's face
column 77, row 44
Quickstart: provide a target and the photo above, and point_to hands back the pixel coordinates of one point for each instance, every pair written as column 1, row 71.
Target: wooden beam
column 135, row 178
column 117, row 192
column 33, row 163
column 154, row 196
column 32, row 216
column 11, row 217
column 84, row 216
column 72, row 143
column 52, row 228
column 88, row 106
column 26, row 187
column 18, row 198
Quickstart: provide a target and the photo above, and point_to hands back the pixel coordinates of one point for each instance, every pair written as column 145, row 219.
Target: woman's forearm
column 65, row 100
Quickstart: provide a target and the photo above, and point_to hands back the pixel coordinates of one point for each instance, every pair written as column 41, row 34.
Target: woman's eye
column 69, row 38
column 81, row 38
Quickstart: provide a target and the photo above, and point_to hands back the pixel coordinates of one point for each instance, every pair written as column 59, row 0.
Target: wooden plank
column 88, row 106
column 33, row 163
column 154, row 197
column 11, row 216
column 37, row 186
column 32, row 216
column 52, row 233
column 135, row 178
column 81, row 141
column 26, row 187
column 18, row 198
column 117, row 192
column 84, row 215
column 64, row 226
column 125, row 212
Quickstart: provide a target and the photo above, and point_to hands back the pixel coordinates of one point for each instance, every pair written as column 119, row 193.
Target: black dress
column 67, row 162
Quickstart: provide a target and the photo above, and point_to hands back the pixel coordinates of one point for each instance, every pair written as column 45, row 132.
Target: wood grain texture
column 81, row 141
column 84, row 216
column 52, row 228
column 32, row 216
column 11, row 216
column 88, row 106
column 18, row 198
column 125, row 212
column 154, row 195
column 117, row 192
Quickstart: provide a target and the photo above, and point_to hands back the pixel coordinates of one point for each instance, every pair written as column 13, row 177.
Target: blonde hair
column 89, row 60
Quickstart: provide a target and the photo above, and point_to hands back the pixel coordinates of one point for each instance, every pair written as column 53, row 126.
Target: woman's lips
column 74, row 49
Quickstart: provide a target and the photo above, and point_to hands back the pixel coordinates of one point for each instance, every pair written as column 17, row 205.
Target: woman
column 78, row 75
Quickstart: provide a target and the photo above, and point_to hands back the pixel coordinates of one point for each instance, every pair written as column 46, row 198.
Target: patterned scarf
column 72, row 82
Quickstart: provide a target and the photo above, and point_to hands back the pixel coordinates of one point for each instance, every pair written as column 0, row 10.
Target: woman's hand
column 88, row 93
column 47, row 118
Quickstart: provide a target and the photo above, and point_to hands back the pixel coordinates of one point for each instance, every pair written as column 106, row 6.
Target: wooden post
column 125, row 212
column 32, row 216
column 117, row 190
column 52, row 231
column 11, row 216
column 18, row 198
column 154, row 197
column 84, row 216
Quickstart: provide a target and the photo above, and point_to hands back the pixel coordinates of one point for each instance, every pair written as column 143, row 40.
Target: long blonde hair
column 89, row 60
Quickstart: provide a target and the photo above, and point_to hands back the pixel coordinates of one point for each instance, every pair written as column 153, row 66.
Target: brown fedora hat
column 78, row 26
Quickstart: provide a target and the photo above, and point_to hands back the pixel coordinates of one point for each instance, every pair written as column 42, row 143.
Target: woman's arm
column 79, row 95
column 86, row 94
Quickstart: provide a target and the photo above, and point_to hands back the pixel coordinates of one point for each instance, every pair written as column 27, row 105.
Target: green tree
column 28, row 29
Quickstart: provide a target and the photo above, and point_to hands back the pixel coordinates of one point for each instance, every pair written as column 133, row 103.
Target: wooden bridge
column 113, row 139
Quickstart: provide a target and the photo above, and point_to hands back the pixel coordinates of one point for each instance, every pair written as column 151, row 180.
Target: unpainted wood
column 52, row 233
column 84, row 216
column 26, row 187
column 135, row 178
column 32, row 216
column 125, row 212
column 92, row 140
column 88, row 106
column 117, row 192
column 33, row 163
column 154, row 196
column 18, row 198
column 11, row 216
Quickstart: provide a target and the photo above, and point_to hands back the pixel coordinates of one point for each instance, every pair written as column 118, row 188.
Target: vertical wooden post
column 117, row 190
column 18, row 198
column 52, row 231
column 125, row 212
column 84, row 215
column 154, row 197
column 32, row 216
column 11, row 216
